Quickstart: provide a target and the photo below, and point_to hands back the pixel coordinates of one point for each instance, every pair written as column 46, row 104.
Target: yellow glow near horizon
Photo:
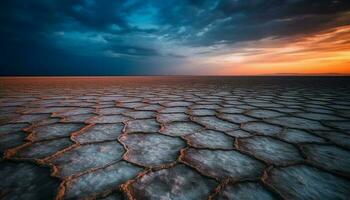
column 324, row 52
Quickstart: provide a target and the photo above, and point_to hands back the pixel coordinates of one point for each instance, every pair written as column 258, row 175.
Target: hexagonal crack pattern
column 151, row 149
column 174, row 138
column 26, row 181
column 304, row 182
column 178, row 182
column 214, row 163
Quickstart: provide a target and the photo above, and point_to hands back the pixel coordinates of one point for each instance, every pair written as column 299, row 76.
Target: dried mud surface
column 177, row 138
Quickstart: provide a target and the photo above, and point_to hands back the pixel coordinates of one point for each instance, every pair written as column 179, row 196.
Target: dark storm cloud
column 240, row 20
column 133, row 50
column 85, row 30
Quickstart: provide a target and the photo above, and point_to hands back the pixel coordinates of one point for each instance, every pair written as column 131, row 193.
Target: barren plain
column 182, row 138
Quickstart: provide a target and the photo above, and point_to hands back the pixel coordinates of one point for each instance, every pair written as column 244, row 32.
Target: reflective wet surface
column 175, row 138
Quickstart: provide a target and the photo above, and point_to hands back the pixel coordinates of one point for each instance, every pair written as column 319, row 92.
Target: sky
column 174, row 37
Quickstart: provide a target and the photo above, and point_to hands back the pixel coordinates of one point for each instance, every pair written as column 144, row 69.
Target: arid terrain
column 183, row 138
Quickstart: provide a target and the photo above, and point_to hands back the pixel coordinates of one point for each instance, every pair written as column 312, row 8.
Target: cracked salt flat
column 54, row 131
column 214, row 163
column 210, row 139
column 239, row 133
column 81, row 118
column 236, row 118
column 86, row 157
column 215, row 123
column 178, row 182
column 142, row 125
column 194, row 138
column 112, row 111
column 43, row 149
column 245, row 190
column 11, row 140
column 326, row 155
column 11, row 128
column 262, row 128
column 30, row 118
column 202, row 112
column 110, row 119
column 338, row 138
column 270, row 150
column 152, row 149
column 264, row 114
column 180, row 128
column 101, row 180
column 296, row 122
column 304, row 182
column 299, row 136
column 100, row 133
column 172, row 117
column 174, row 110
column 26, row 181
column 140, row 114
column 76, row 111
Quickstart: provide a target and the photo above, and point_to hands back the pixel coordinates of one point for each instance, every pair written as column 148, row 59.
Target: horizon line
column 188, row 75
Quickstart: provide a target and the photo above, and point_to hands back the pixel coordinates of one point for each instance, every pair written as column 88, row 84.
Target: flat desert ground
column 182, row 138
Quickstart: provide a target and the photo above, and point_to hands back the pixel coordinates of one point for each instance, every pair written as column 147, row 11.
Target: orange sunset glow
column 189, row 37
column 326, row 52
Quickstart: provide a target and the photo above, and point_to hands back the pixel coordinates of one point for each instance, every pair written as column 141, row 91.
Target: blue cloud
column 118, row 37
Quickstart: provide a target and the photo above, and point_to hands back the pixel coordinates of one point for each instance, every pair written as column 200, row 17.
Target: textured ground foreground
column 175, row 138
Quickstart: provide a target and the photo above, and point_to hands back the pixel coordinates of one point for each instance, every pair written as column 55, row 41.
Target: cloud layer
column 108, row 37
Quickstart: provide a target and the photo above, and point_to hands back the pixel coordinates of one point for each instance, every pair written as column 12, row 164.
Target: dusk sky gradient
column 174, row 37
